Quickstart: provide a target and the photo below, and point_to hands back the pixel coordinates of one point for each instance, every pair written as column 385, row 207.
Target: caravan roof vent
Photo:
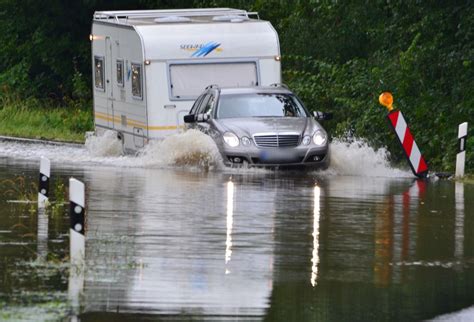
column 231, row 18
column 172, row 19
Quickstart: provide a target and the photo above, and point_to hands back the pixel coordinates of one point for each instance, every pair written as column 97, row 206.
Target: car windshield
column 259, row 105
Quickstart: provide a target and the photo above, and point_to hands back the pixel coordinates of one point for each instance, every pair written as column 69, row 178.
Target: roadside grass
column 38, row 306
column 45, row 119
column 468, row 178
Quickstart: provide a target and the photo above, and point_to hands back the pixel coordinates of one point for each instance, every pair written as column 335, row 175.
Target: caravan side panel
column 121, row 104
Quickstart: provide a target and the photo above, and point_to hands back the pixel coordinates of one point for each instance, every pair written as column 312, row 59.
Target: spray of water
column 355, row 157
column 195, row 150
column 349, row 157
column 189, row 149
column 106, row 145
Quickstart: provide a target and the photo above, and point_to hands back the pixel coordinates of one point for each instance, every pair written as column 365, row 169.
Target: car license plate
column 266, row 155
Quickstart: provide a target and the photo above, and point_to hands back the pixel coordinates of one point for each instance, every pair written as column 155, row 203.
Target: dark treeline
column 337, row 55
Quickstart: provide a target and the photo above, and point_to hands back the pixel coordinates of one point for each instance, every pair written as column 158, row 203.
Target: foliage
column 337, row 55
column 422, row 52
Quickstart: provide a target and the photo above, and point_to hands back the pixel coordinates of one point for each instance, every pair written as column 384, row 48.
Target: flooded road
column 359, row 242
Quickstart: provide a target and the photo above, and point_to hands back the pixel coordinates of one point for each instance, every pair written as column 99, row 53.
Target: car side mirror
column 321, row 116
column 189, row 118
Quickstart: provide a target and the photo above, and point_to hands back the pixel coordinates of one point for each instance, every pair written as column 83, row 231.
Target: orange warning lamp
column 386, row 99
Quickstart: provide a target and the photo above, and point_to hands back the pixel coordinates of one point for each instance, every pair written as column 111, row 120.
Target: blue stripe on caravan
column 206, row 49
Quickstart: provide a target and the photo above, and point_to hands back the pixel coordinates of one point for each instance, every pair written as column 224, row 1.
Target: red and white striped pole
column 400, row 127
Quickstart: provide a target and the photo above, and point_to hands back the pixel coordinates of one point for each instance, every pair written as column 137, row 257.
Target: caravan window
column 187, row 81
column 99, row 73
column 120, row 73
column 137, row 80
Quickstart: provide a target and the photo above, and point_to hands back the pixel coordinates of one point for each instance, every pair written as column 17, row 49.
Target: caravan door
column 109, row 81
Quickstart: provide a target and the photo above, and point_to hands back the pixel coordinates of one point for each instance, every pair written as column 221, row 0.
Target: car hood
column 255, row 125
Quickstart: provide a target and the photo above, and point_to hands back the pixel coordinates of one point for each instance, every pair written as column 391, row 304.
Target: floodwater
column 171, row 234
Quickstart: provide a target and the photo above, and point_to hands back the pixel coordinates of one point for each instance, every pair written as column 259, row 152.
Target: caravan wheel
column 121, row 138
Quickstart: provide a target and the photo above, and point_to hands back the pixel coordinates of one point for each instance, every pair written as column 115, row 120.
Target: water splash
column 355, row 157
column 195, row 150
column 189, row 149
column 462, row 315
column 104, row 145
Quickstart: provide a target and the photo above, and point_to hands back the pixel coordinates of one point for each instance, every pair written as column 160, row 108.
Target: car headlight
column 306, row 140
column 231, row 139
column 319, row 138
column 245, row 141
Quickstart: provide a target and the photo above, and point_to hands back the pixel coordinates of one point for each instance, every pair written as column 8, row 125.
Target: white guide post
column 76, row 213
column 43, row 186
column 461, row 156
column 76, row 240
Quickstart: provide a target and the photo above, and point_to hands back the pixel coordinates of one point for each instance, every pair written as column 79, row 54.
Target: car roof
column 253, row 90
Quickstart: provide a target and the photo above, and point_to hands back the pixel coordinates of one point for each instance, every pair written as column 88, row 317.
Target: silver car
column 261, row 126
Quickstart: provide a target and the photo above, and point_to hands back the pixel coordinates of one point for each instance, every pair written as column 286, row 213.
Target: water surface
column 205, row 243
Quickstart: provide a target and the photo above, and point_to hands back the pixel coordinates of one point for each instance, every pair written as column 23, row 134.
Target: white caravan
column 149, row 66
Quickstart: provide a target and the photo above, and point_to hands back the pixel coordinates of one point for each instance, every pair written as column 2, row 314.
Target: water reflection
column 75, row 288
column 315, row 257
column 182, row 222
column 42, row 241
column 384, row 243
column 255, row 245
column 395, row 238
column 459, row 220
column 230, row 221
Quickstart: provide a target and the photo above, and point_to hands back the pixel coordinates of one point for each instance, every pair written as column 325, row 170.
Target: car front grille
column 277, row 140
